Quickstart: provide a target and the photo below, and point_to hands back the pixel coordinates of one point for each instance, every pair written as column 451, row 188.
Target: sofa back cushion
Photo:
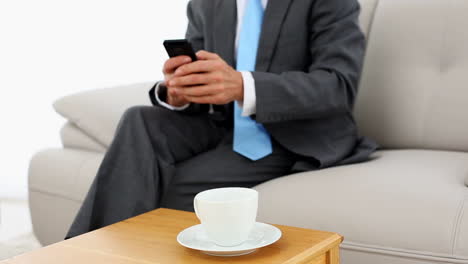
column 414, row 88
column 97, row 112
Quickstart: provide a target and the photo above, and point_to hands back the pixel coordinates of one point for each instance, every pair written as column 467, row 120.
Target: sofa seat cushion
column 403, row 201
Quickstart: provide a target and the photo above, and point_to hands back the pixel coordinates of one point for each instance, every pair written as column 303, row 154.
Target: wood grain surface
column 151, row 238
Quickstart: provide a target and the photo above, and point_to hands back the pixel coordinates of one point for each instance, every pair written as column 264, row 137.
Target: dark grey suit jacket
column 308, row 66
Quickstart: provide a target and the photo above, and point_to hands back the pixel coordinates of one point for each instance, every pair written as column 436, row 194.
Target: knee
column 133, row 111
column 130, row 116
column 137, row 112
column 136, row 116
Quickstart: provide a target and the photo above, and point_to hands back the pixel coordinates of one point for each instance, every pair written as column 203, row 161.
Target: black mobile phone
column 178, row 47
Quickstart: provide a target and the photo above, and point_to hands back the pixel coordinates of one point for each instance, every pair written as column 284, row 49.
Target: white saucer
column 262, row 235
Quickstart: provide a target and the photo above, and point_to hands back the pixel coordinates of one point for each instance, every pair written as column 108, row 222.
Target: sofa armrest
column 97, row 112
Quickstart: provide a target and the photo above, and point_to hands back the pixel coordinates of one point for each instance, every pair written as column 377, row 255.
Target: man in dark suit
column 271, row 93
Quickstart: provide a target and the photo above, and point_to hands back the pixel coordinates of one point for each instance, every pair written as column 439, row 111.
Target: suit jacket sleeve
column 329, row 86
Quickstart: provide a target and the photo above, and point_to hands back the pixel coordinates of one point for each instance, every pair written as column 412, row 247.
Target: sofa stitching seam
column 349, row 245
column 371, row 21
column 84, row 161
column 428, row 96
column 38, row 190
column 457, row 224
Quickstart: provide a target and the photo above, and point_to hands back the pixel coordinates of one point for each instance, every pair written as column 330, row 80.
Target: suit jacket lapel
column 225, row 19
column 274, row 16
column 225, row 22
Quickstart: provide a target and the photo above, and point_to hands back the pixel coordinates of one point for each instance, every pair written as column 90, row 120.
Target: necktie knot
column 249, row 38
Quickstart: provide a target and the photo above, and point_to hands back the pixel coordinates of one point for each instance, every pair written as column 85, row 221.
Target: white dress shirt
column 250, row 101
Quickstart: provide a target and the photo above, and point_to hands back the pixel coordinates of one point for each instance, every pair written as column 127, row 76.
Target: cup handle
column 195, row 207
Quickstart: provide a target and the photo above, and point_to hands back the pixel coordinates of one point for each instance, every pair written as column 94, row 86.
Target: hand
column 210, row 80
column 169, row 68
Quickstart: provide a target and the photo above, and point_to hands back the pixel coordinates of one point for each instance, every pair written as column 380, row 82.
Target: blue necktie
column 250, row 138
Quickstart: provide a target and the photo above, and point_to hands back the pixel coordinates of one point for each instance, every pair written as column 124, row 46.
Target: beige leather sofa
column 408, row 205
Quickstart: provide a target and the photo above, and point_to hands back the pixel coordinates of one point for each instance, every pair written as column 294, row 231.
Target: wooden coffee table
column 151, row 238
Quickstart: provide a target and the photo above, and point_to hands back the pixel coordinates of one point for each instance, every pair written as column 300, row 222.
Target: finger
column 197, row 67
column 194, row 79
column 217, row 99
column 173, row 63
column 200, row 90
column 205, row 55
column 173, row 92
column 176, row 99
column 210, row 99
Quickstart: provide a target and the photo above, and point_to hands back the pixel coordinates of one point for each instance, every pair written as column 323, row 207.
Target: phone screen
column 178, row 47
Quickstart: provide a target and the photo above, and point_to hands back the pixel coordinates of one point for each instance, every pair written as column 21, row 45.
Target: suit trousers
column 163, row 158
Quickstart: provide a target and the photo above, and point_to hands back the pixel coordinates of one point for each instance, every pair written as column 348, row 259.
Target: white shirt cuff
column 166, row 105
column 249, row 105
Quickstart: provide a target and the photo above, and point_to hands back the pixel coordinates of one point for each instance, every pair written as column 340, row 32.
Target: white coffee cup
column 227, row 214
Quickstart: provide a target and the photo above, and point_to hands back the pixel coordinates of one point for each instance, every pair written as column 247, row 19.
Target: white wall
column 52, row 48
